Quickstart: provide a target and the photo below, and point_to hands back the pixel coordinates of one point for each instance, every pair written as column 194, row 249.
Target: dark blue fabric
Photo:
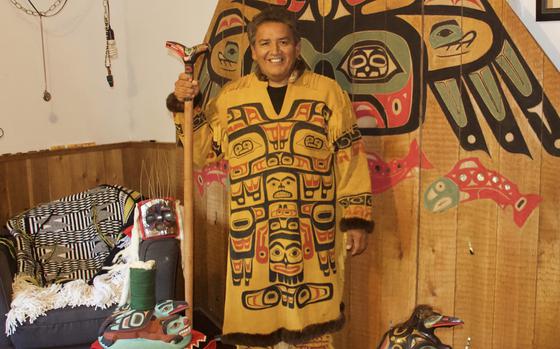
column 61, row 327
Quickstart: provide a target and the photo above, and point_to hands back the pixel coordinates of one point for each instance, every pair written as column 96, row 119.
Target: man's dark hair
column 273, row 14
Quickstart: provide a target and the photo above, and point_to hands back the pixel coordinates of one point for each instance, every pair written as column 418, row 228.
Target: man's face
column 275, row 51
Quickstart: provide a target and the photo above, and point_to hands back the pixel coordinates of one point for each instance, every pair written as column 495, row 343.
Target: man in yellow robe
column 300, row 193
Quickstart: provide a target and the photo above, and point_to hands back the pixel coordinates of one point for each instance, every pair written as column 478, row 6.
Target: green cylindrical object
column 142, row 288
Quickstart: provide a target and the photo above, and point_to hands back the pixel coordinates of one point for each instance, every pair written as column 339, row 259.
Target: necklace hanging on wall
column 53, row 10
column 110, row 46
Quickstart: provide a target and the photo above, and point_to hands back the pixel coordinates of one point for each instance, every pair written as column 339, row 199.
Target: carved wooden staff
column 189, row 56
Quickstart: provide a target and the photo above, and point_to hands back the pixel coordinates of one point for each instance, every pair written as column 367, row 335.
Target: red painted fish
column 469, row 180
column 214, row 172
column 386, row 175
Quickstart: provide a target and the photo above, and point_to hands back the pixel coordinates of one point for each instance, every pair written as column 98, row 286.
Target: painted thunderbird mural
column 387, row 55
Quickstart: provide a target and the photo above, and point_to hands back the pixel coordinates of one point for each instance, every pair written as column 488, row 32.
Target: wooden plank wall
column 32, row 178
column 36, row 177
column 472, row 261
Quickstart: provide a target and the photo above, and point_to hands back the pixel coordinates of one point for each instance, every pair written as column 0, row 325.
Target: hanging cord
column 46, row 94
column 110, row 46
column 53, row 10
column 57, row 6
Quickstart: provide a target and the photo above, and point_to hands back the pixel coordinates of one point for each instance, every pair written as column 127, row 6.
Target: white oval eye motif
column 378, row 60
column 357, row 64
column 357, row 61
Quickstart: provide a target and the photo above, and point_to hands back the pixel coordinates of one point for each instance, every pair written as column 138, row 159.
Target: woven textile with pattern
column 60, row 248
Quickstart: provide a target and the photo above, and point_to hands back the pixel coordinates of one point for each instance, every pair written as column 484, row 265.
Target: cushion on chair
column 61, row 327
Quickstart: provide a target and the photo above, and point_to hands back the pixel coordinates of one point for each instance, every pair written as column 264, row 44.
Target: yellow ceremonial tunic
column 293, row 176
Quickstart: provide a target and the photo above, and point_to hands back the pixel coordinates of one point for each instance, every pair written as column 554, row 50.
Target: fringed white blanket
column 30, row 301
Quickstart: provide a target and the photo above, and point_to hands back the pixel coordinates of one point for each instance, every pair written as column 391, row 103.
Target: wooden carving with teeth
column 418, row 332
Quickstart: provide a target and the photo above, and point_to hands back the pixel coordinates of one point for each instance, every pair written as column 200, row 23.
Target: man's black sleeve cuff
column 356, row 223
column 176, row 106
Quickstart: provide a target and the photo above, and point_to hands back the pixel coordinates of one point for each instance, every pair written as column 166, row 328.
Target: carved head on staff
column 187, row 54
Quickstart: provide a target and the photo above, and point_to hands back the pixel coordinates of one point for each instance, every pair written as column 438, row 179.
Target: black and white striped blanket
column 70, row 238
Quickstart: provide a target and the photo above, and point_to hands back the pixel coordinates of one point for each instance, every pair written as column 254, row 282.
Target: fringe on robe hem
column 284, row 335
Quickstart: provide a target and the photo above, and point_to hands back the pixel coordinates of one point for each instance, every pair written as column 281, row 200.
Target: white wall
column 152, row 70
column 546, row 33
column 84, row 108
